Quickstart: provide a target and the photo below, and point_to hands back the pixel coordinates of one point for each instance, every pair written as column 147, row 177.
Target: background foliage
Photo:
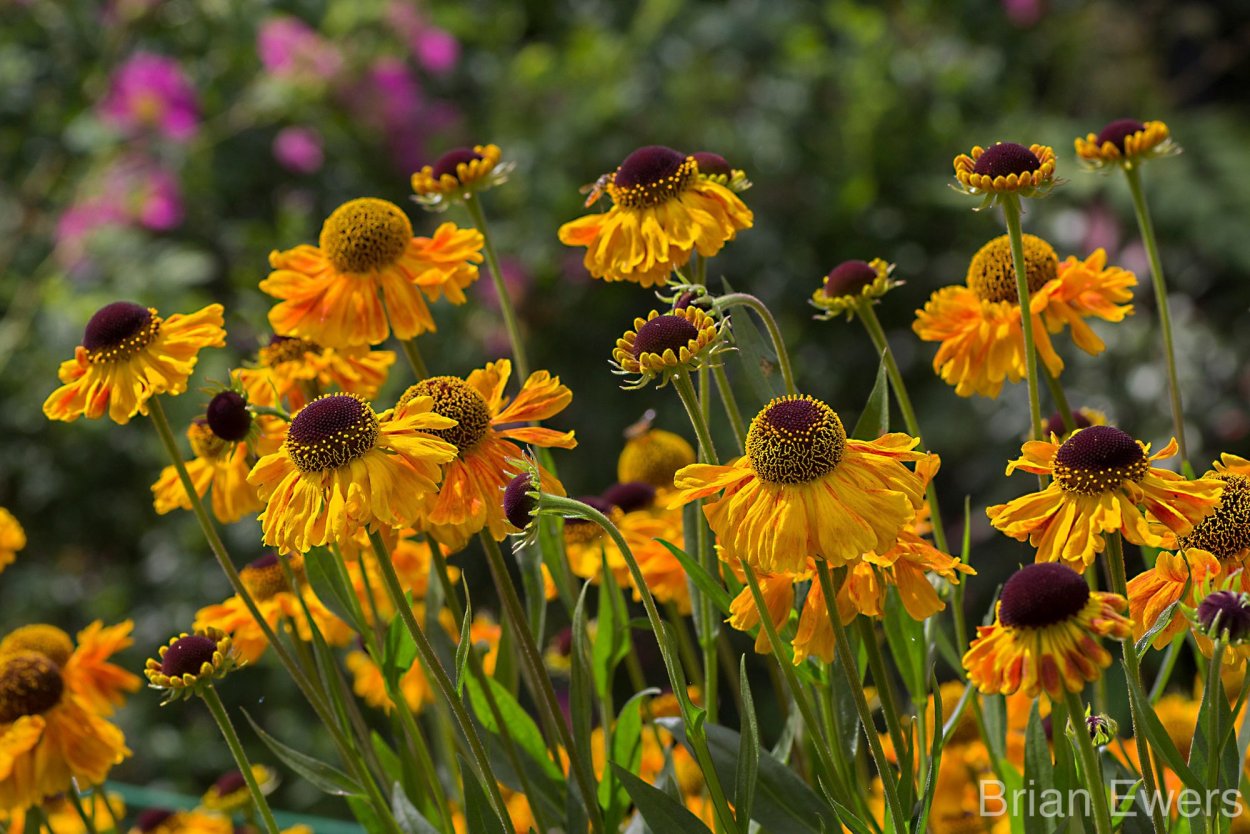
column 845, row 115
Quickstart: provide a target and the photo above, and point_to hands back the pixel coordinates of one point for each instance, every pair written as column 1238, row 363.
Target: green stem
column 731, row 406
column 1089, row 763
column 1170, row 656
column 75, row 800
column 868, row 316
column 846, row 659
column 435, row 672
column 677, row 679
column 1119, row 585
column 1011, row 211
column 1215, row 689
column 1146, row 226
column 474, row 207
column 685, row 390
column 885, row 691
column 1061, row 400
column 215, row 706
column 741, row 299
column 415, row 360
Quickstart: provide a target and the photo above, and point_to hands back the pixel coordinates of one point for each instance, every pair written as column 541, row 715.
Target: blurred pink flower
column 436, row 50
column 389, row 99
column 292, row 50
column 515, row 278
column 299, row 149
column 133, row 191
column 1024, row 13
column 151, row 92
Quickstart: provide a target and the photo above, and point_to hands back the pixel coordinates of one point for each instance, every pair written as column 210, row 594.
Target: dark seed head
column 1099, row 448
column 712, row 164
column 1119, row 130
column 1055, row 424
column 114, row 323
column 448, row 162
column 152, row 818
column 1225, row 612
column 631, row 496
column 454, row 398
column 1006, row 158
column 849, row 278
column 1041, row 595
column 228, row 417
column 648, row 166
column 30, row 684
column 795, row 440
column 188, row 655
column 666, row 332
column 518, row 504
column 330, row 432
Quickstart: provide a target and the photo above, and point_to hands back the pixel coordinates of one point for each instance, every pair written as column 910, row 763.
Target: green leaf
column 759, row 360
column 748, row 749
column 520, row 726
column 324, row 777
column 328, row 584
column 703, row 580
column 1160, row 741
column 875, row 419
column 1039, row 770
column 935, row 754
column 610, row 636
column 581, row 686
column 463, row 647
column 850, row 819
column 479, row 816
column 1143, row 645
column 905, row 638
column 406, row 814
column 366, row 815
column 1215, row 705
column 627, row 753
column 662, row 813
column 399, row 650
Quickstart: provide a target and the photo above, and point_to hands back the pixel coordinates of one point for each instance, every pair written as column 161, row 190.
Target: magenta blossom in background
column 436, row 50
column 151, row 92
column 389, row 98
column 292, row 50
column 299, row 149
column 1024, row 13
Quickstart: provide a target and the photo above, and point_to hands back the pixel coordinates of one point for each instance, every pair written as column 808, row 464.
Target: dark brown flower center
column 118, row 331
column 849, row 278
column 287, row 349
column 1225, row 612
column 152, row 818
column 635, row 495
column 992, row 272
column 712, row 164
column 1054, row 425
column 1224, row 533
column 228, row 417
column 229, row 783
column 331, row 431
column 518, row 504
column 1006, row 158
column 1099, row 459
column 188, row 655
column 795, row 440
column 1119, row 130
column 454, row 398
column 651, row 175
column 450, row 161
column 1042, row 595
column 47, row 640
column 30, row 684
column 667, row 332
column 365, row 234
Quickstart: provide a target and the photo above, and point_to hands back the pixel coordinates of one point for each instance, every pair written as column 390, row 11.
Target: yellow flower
column 344, row 468
column 84, row 663
column 1044, row 635
column 1100, row 477
column 266, row 582
column 484, row 437
column 128, row 355
column 295, row 371
column 1174, row 578
column 12, row 538
column 190, row 662
column 223, row 442
column 662, row 213
column 849, row 282
column 805, row 489
column 458, row 174
column 63, row 817
column 980, row 327
column 230, row 794
column 661, row 345
column 367, row 277
column 653, row 456
column 48, row 734
column 165, row 821
column 1006, row 167
column 1125, row 142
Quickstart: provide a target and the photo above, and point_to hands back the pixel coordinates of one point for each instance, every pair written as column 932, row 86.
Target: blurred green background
column 845, row 115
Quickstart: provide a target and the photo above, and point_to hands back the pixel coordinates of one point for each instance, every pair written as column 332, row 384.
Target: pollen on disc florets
column 118, row 331
column 1041, row 595
column 795, row 440
column 454, row 398
column 331, row 431
column 365, row 234
column 992, row 276
column 287, row 349
column 1098, row 459
column 30, row 684
column 1007, row 158
column 264, row 578
column 666, row 332
column 40, row 638
column 228, row 417
column 1225, row 532
column 651, row 175
column 1119, row 130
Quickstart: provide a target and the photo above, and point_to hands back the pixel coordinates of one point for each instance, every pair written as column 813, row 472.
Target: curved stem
column 741, row 299
column 846, row 659
column 435, row 671
column 1146, row 226
column 868, row 316
column 1089, row 763
column 215, row 706
column 474, row 207
column 1011, row 211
